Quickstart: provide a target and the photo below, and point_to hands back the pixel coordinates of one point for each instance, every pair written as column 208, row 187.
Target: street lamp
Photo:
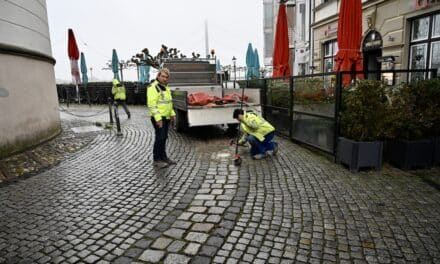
column 234, row 60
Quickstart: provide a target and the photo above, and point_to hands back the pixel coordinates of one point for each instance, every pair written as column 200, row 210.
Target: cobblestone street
column 106, row 203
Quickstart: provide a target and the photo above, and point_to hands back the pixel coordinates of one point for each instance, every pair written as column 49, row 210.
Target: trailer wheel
column 181, row 121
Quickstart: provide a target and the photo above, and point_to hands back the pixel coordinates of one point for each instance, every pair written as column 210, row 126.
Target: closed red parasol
column 73, row 52
column 349, row 56
column 281, row 66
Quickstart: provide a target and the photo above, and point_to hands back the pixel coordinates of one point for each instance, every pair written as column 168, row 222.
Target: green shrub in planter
column 363, row 119
column 364, row 111
column 414, row 124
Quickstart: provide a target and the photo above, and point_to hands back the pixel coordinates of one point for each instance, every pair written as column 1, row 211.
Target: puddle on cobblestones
column 85, row 129
column 223, row 155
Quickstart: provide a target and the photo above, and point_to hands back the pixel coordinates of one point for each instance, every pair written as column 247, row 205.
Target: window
column 420, row 28
column 302, row 68
column 302, row 12
column 268, row 45
column 330, row 50
column 268, row 15
column 425, row 45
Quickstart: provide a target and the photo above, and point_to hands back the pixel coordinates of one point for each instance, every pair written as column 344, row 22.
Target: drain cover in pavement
column 84, row 129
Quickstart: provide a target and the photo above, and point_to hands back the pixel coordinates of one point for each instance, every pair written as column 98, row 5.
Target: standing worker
column 118, row 91
column 160, row 104
column 258, row 132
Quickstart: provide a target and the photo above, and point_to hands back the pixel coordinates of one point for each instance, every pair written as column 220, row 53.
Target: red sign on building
column 426, row 3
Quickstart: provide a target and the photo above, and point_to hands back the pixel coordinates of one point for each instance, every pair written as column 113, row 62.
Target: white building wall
column 24, row 24
column 28, row 105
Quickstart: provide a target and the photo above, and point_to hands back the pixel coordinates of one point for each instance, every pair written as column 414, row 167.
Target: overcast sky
column 131, row 25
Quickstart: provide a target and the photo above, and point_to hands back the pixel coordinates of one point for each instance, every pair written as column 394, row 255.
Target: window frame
column 330, row 55
column 427, row 42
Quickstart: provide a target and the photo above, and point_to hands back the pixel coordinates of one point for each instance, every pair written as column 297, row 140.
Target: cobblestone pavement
column 107, row 204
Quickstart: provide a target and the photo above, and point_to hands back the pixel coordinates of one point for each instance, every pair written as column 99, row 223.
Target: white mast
column 206, row 38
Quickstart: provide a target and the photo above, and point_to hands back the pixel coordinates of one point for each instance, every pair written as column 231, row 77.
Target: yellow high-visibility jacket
column 159, row 102
column 118, row 92
column 254, row 125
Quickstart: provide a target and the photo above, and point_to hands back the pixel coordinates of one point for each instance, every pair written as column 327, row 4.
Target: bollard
column 110, row 110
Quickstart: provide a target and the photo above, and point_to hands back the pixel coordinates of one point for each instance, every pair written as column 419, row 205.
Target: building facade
column 28, row 99
column 397, row 34
column 301, row 13
column 270, row 13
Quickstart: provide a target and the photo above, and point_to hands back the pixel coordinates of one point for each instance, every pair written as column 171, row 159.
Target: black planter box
column 358, row 155
column 409, row 154
column 436, row 159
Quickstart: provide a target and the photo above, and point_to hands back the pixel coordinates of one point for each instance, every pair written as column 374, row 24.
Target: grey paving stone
column 192, row 248
column 150, row 255
column 176, row 259
column 176, row 246
column 175, row 233
column 202, row 227
column 196, row 237
column 209, row 251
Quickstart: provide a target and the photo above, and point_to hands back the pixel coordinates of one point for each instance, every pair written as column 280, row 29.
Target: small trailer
column 191, row 76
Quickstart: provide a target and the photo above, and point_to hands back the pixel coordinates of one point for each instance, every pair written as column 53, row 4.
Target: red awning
column 281, row 66
column 349, row 56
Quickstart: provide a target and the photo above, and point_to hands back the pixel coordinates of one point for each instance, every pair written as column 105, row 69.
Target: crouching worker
column 258, row 132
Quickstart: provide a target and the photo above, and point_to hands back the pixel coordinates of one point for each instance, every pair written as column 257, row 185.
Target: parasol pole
column 77, row 93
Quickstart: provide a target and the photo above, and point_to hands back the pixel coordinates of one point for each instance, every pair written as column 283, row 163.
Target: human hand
column 159, row 124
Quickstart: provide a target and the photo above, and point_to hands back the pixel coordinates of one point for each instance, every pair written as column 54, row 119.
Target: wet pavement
column 94, row 197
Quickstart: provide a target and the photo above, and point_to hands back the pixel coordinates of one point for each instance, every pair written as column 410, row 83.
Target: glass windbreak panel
column 316, row 131
column 420, row 29
column 314, row 96
column 278, row 93
column 435, row 56
column 418, row 60
column 279, row 118
column 436, row 26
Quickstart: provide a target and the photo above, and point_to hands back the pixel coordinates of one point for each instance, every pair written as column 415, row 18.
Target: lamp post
column 234, row 60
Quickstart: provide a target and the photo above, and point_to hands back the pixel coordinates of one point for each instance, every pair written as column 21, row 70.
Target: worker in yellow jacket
column 160, row 104
column 258, row 132
column 118, row 91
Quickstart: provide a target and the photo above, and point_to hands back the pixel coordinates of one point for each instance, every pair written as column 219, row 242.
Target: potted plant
column 414, row 125
column 362, row 125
